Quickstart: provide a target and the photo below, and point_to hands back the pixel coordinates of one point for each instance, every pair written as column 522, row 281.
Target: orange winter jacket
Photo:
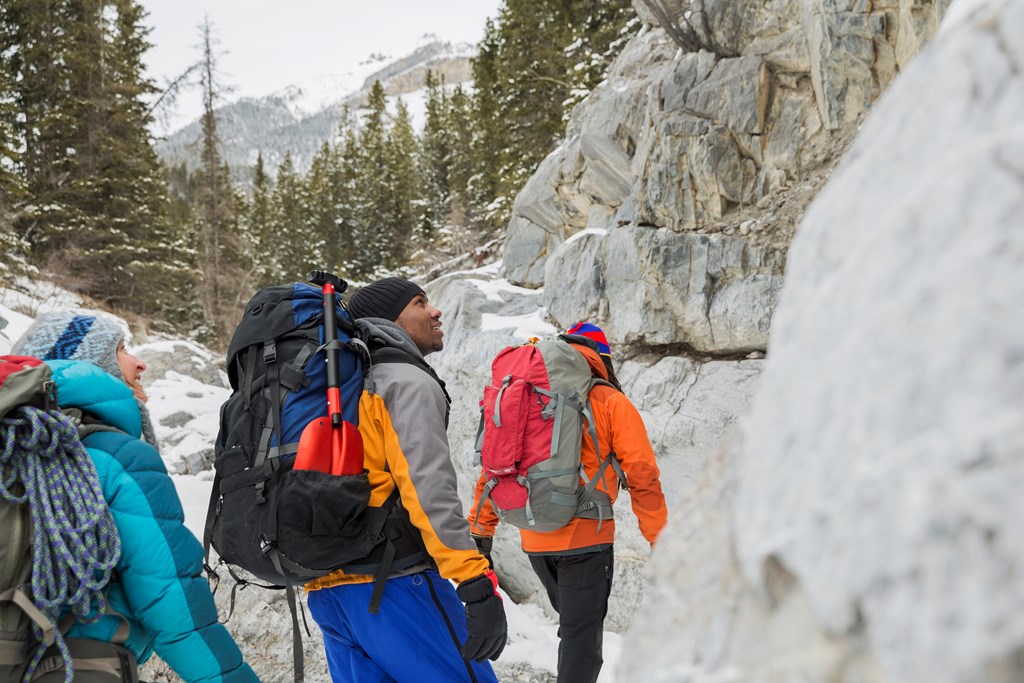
column 620, row 429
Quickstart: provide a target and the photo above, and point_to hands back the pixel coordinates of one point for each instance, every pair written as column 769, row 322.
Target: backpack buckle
column 49, row 395
column 265, row 545
column 270, row 352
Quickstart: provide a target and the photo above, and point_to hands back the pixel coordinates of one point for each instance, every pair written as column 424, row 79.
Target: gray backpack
column 534, row 416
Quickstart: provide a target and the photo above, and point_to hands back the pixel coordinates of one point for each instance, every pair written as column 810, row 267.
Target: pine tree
column 445, row 168
column 287, row 224
column 462, row 232
column 533, row 65
column 36, row 46
column 600, row 29
column 13, row 250
column 459, row 123
column 257, row 228
column 223, row 261
column 143, row 264
column 534, row 84
column 403, row 180
column 435, row 158
column 345, row 200
column 490, row 144
column 319, row 214
column 94, row 194
column 373, row 231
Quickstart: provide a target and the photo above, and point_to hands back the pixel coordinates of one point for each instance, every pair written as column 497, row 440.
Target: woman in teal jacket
column 159, row 591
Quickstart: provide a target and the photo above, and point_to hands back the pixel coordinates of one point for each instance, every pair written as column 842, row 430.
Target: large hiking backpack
column 284, row 525
column 280, row 524
column 533, row 418
column 60, row 544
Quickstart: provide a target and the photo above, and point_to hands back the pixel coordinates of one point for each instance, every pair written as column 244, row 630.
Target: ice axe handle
column 322, row 277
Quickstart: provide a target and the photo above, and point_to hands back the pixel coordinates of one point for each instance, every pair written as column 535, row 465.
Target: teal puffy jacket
column 159, row 587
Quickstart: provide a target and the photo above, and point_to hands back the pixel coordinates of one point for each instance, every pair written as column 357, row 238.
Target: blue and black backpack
column 283, row 525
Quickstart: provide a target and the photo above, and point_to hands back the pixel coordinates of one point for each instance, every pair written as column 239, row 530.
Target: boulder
column 864, row 524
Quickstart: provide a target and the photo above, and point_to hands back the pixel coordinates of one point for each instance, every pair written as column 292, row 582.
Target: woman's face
column 131, row 366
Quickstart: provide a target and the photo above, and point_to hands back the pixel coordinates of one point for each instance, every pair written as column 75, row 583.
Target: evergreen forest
column 86, row 201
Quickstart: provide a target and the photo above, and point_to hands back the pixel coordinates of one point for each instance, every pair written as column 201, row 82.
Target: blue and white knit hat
column 89, row 336
column 69, row 335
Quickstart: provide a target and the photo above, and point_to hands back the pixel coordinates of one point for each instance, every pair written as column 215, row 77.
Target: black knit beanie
column 385, row 298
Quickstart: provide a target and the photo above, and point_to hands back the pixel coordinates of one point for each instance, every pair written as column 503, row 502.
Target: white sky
column 269, row 44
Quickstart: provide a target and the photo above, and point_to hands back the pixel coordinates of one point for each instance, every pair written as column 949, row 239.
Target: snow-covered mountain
column 301, row 117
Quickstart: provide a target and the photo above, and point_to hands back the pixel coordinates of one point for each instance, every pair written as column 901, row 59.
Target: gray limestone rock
column 182, row 357
column 684, row 141
column 713, row 293
column 864, row 526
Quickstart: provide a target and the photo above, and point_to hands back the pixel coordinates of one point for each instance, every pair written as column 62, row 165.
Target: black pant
column 578, row 587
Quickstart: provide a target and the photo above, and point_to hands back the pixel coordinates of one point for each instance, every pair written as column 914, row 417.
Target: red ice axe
column 346, row 447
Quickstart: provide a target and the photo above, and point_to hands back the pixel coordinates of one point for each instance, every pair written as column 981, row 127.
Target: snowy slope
column 301, row 117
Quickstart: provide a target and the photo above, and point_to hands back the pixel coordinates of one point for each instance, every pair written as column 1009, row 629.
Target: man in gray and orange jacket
column 575, row 562
column 420, row 631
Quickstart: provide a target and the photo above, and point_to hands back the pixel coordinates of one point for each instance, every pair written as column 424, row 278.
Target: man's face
column 423, row 323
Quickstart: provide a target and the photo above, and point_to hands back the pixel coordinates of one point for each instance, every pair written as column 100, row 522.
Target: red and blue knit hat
column 593, row 333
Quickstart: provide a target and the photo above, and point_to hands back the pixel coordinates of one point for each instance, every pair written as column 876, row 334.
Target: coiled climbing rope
column 76, row 544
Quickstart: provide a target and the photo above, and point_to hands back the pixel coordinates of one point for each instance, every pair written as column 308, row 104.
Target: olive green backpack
column 46, row 475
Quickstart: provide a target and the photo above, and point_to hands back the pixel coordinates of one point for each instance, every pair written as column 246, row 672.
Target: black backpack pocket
column 310, row 523
column 322, row 520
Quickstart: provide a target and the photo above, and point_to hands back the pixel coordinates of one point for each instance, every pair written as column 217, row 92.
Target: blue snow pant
column 415, row 637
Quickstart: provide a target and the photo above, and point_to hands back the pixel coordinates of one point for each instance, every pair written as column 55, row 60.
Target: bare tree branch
column 170, row 92
column 676, row 20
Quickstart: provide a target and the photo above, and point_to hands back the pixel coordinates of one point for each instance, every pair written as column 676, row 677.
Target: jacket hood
column 594, row 360
column 87, row 387
column 387, row 333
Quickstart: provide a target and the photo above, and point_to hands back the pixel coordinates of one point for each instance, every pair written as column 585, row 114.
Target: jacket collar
column 597, row 367
column 386, row 333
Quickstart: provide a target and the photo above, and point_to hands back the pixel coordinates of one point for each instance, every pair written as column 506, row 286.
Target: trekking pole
column 331, row 284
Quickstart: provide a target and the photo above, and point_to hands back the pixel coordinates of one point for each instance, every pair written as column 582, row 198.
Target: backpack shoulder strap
column 389, row 354
column 610, row 459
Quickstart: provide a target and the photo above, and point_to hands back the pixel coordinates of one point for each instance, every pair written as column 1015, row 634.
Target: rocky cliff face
column 666, row 217
column 864, row 525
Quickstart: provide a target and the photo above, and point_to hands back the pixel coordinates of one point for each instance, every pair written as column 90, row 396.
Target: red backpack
column 533, row 416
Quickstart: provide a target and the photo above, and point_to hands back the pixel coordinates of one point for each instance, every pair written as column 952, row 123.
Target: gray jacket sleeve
column 423, row 468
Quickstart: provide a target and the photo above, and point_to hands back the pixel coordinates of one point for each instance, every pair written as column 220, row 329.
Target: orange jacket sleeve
column 487, row 522
column 636, row 456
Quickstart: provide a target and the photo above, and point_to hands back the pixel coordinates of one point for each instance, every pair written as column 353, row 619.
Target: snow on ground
column 522, row 326
column 185, row 414
column 492, row 289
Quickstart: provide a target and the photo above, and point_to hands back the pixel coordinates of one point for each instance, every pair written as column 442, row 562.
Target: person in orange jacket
column 575, row 563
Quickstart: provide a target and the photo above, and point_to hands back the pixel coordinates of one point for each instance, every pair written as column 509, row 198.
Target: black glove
column 483, row 544
column 485, row 616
